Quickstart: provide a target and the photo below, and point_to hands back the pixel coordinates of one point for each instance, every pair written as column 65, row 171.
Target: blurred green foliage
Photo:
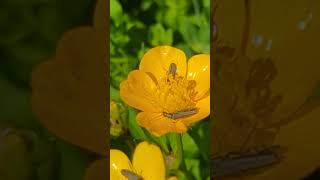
column 135, row 27
column 30, row 30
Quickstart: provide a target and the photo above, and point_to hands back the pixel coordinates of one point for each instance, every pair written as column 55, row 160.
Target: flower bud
column 117, row 125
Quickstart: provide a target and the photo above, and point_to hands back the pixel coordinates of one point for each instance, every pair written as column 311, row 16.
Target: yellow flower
column 69, row 90
column 171, row 92
column 147, row 163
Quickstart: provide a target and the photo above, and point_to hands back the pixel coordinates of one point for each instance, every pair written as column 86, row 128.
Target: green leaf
column 135, row 130
column 112, row 48
column 141, row 51
column 206, row 4
column 190, row 148
column 186, row 49
column 160, row 36
column 187, row 29
column 180, row 174
column 115, row 11
column 200, row 133
column 176, row 147
column 170, row 11
column 119, row 38
column 114, row 94
column 161, row 141
column 193, row 166
column 146, row 4
column 132, row 23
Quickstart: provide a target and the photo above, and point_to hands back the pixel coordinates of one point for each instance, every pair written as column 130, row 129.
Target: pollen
column 175, row 93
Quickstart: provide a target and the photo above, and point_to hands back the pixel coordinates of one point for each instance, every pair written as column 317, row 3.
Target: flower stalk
column 178, row 165
column 176, row 148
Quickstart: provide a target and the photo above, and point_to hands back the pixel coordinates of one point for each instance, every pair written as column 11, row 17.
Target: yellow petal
column 118, row 162
column 289, row 46
column 138, row 91
column 199, row 70
column 148, row 161
column 204, row 111
column 286, row 38
column 159, row 125
column 69, row 91
column 289, row 39
column 157, row 61
column 97, row 170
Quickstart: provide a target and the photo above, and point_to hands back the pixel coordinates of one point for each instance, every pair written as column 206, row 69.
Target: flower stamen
column 176, row 95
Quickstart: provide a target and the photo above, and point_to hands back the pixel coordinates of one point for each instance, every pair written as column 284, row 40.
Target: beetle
column 180, row 114
column 172, row 69
column 130, row 175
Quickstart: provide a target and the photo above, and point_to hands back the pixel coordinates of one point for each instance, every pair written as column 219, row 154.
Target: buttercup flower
column 69, row 90
column 147, row 163
column 171, row 92
column 267, row 96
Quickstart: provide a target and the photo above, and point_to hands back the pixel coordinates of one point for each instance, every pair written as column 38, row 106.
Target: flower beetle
column 130, row 175
column 172, row 69
column 235, row 163
column 180, row 114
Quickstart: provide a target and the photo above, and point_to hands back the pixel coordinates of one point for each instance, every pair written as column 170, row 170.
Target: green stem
column 164, row 146
column 177, row 149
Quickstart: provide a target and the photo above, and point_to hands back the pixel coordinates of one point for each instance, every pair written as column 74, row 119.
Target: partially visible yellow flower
column 69, row 90
column 117, row 126
column 166, row 88
column 147, row 163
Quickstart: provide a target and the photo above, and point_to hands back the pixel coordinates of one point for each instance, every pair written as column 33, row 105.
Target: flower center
column 175, row 93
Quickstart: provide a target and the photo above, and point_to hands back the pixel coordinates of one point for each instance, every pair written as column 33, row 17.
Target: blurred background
column 30, row 30
column 135, row 27
column 138, row 25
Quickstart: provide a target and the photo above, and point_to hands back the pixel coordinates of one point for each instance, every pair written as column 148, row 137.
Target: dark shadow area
column 266, row 93
column 29, row 35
